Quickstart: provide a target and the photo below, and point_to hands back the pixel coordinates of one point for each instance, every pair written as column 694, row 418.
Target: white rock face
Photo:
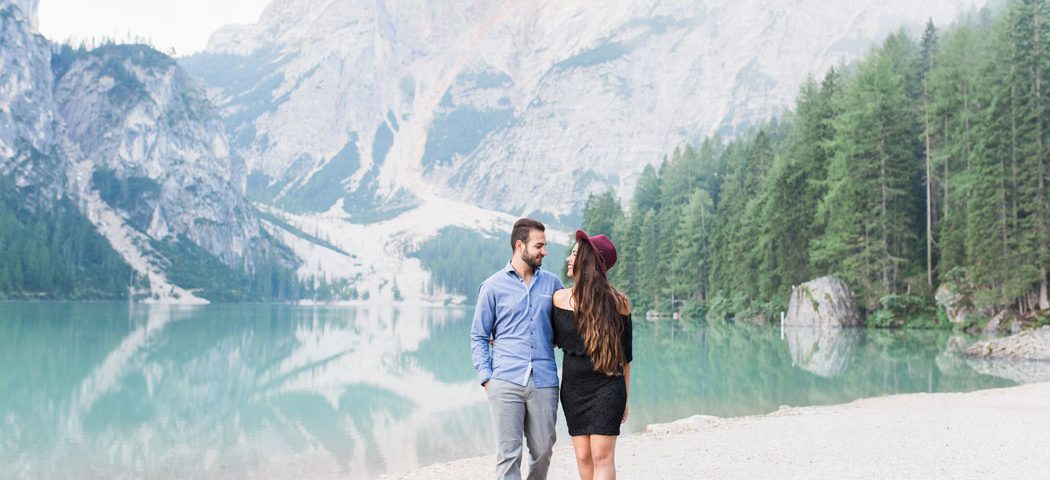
column 72, row 119
column 351, row 113
column 131, row 111
column 517, row 106
column 823, row 302
column 28, row 130
column 28, row 8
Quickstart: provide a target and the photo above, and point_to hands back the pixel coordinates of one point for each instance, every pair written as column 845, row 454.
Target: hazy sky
column 184, row 24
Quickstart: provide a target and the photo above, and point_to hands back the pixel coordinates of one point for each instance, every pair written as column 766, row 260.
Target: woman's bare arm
column 627, row 381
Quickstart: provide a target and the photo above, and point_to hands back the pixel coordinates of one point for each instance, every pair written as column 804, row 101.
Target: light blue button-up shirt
column 516, row 318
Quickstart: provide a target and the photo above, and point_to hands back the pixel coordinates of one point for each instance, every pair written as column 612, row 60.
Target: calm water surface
column 111, row 390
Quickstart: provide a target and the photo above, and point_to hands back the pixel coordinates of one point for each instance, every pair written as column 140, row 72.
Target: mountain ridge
column 121, row 135
column 522, row 107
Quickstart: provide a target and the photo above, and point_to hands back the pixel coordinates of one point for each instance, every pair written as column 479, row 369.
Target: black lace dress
column 592, row 401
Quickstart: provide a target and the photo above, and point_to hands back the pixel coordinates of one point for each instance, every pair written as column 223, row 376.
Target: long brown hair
column 597, row 313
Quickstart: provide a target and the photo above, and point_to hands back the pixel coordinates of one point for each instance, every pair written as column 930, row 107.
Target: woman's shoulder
column 562, row 297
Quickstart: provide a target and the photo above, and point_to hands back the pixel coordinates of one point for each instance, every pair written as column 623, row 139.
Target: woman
column 592, row 324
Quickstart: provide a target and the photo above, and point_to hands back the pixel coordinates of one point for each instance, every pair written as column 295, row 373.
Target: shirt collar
column 510, row 269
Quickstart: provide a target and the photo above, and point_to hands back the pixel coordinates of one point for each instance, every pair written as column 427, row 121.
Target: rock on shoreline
column 823, row 302
column 1032, row 345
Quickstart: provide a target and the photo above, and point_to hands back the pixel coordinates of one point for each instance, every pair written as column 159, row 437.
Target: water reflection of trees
column 447, row 341
column 688, row 367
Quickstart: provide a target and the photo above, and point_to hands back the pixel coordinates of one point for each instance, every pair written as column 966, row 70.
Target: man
column 520, row 375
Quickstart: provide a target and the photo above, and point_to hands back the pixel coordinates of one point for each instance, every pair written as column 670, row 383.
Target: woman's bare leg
column 603, row 453
column 581, row 444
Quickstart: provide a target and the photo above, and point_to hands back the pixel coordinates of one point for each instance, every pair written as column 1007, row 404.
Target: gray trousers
column 528, row 411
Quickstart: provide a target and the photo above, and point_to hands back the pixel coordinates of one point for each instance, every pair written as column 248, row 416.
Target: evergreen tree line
column 459, row 259
column 923, row 164
column 55, row 253
column 270, row 279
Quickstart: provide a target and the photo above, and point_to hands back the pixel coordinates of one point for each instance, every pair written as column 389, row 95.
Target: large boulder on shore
column 823, row 302
column 954, row 301
column 1032, row 345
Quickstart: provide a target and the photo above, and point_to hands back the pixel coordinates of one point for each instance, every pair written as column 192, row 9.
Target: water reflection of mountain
column 233, row 391
column 267, row 390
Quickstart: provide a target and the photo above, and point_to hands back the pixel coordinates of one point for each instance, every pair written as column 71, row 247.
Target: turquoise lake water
column 112, row 390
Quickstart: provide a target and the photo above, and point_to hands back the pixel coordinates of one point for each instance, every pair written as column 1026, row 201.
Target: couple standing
column 522, row 312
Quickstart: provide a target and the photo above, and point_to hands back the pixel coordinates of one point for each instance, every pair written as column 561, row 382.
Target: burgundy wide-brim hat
column 602, row 246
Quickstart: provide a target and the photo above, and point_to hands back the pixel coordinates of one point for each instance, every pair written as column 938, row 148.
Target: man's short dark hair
column 521, row 230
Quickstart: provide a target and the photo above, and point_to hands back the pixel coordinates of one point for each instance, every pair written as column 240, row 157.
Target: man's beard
column 533, row 261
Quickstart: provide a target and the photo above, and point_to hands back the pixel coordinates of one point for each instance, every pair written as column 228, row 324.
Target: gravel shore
column 999, row 433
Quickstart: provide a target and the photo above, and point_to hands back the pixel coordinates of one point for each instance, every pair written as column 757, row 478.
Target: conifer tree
column 869, row 205
column 953, row 110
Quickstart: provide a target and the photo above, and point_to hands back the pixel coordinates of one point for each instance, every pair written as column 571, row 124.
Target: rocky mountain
column 124, row 134
column 29, row 138
column 375, row 108
column 132, row 117
column 339, row 135
column 377, row 125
